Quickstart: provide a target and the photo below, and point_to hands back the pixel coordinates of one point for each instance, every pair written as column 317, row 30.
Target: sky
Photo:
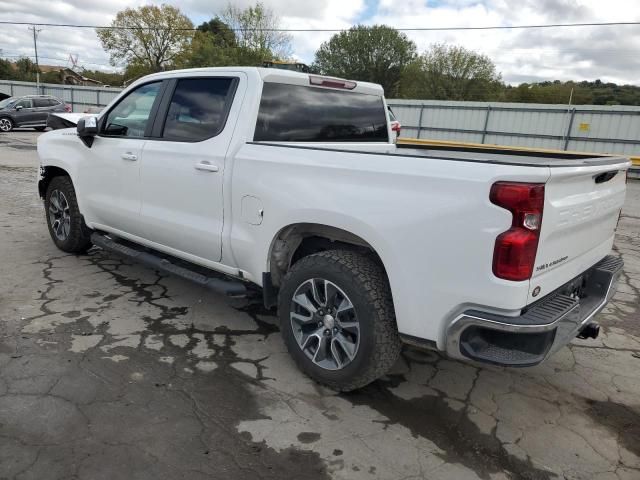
column 581, row 53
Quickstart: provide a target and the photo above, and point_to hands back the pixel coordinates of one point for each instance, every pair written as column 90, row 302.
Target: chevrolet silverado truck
column 248, row 180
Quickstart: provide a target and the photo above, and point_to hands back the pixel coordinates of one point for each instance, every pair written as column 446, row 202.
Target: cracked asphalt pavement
column 111, row 370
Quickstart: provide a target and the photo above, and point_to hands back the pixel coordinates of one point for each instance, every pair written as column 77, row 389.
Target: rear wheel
column 6, row 124
column 337, row 319
column 40, row 129
column 66, row 225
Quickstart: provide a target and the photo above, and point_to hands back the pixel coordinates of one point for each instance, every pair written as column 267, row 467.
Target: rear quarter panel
column 429, row 220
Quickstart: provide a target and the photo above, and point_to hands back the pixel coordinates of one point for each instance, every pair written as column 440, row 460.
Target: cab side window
column 24, row 103
column 198, row 108
column 41, row 102
column 129, row 118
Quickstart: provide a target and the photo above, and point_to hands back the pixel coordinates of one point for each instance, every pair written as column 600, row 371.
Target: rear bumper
column 542, row 329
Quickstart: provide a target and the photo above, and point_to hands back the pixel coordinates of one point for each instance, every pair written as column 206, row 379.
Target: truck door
column 109, row 176
column 183, row 164
column 24, row 112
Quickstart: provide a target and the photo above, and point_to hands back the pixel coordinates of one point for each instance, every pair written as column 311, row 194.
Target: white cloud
column 608, row 53
column 579, row 53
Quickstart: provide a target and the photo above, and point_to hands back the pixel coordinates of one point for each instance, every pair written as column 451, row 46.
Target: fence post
column 486, row 123
column 420, row 121
column 97, row 98
column 73, row 107
column 11, row 89
column 566, row 137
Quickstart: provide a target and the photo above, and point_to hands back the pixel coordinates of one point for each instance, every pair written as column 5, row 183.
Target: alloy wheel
column 325, row 324
column 59, row 216
column 5, row 125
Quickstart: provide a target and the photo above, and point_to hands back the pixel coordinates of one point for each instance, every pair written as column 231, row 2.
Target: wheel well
column 301, row 240
column 46, row 175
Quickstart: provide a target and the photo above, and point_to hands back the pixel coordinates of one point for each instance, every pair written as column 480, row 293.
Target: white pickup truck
column 292, row 183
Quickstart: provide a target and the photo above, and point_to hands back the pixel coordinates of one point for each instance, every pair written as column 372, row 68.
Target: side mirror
column 19, row 107
column 87, row 129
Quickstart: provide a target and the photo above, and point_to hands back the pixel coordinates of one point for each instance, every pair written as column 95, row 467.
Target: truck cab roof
column 270, row 75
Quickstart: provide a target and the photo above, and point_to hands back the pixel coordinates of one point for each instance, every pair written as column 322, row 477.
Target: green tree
column 214, row 44
column 376, row 54
column 113, row 79
column 147, row 39
column 25, row 70
column 221, row 35
column 449, row 72
column 256, row 30
column 6, row 70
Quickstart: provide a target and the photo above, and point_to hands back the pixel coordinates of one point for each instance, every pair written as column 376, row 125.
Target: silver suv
column 28, row 111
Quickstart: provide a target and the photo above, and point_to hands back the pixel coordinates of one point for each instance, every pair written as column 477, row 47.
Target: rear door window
column 198, row 108
column 296, row 113
column 41, row 102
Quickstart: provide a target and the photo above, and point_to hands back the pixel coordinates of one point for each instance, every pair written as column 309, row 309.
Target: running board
column 232, row 288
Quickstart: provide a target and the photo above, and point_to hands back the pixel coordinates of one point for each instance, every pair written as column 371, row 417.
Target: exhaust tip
column 591, row 330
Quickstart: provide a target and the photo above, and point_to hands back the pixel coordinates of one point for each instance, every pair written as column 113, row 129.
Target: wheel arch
column 298, row 240
column 48, row 173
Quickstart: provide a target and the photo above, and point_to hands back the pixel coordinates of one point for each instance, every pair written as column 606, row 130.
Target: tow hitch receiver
column 591, row 330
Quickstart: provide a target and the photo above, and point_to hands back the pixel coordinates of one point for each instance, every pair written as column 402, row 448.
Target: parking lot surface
column 111, row 370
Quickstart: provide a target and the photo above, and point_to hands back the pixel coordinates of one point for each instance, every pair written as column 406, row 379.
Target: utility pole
column 35, row 47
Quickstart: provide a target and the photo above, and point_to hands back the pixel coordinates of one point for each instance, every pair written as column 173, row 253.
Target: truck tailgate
column 581, row 211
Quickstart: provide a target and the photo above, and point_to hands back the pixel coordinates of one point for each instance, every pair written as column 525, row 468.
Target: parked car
column 29, row 111
column 290, row 183
column 395, row 123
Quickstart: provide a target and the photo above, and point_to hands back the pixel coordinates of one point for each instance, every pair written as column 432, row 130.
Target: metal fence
column 584, row 128
column 80, row 98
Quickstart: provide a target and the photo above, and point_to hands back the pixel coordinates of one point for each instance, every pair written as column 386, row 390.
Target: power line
column 404, row 29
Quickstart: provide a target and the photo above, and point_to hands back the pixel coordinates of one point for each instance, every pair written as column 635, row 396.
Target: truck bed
column 467, row 154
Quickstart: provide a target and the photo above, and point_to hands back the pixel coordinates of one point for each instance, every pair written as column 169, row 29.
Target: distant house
column 71, row 77
column 67, row 76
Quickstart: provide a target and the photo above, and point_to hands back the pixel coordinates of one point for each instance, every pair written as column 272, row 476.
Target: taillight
column 515, row 250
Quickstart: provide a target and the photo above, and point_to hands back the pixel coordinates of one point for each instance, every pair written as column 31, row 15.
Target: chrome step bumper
column 542, row 329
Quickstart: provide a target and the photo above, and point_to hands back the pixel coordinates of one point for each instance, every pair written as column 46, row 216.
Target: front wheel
column 337, row 319
column 66, row 225
column 6, row 124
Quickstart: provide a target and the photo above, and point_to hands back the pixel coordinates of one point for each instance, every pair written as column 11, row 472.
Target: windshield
column 7, row 101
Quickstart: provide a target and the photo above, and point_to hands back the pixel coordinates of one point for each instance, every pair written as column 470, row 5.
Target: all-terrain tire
column 78, row 238
column 364, row 281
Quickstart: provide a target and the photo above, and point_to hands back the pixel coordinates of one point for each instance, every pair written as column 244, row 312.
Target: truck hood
column 66, row 120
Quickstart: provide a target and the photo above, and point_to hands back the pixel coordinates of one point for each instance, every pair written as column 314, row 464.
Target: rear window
column 294, row 113
column 198, row 108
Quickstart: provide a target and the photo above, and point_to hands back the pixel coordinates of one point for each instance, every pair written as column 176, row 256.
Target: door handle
column 206, row 166
column 129, row 156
